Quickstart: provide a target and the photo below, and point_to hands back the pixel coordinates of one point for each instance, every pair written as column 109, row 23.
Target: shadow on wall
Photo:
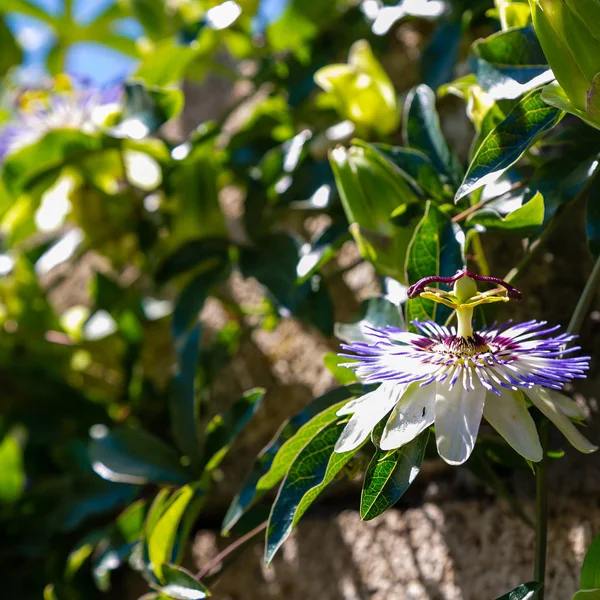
column 472, row 550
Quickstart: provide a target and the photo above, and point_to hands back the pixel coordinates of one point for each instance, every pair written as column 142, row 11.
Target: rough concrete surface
column 451, row 550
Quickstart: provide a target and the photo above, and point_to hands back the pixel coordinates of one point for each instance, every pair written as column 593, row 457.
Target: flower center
column 461, row 346
column 464, row 298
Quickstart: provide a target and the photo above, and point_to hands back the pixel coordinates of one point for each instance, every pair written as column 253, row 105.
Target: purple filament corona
column 512, row 356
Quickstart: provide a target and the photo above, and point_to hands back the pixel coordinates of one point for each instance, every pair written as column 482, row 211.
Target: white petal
column 385, row 388
column 457, row 418
column 413, row 414
column 509, row 416
column 381, row 401
column 542, row 399
column 568, row 406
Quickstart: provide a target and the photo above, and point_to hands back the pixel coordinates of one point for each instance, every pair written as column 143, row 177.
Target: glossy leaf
column 191, row 255
column 505, row 145
column 12, row 473
column 592, row 218
column 441, row 53
column 418, row 167
column 275, row 459
column 22, row 167
column 180, row 584
column 224, row 427
column 290, row 450
column 136, row 456
column 510, row 63
column 162, row 536
column 344, row 375
column 372, row 191
column 423, row 260
column 374, row 312
column 273, row 262
column 184, row 400
column 321, row 251
column 147, row 108
column 11, row 51
column 192, row 298
column 312, row 470
column 590, row 570
column 389, row 475
column 422, row 132
column 524, row 219
column 587, row 595
column 525, row 591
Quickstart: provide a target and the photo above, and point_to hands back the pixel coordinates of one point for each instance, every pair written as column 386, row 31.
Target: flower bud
column 361, row 90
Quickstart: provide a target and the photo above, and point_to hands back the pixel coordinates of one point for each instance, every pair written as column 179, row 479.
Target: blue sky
column 96, row 63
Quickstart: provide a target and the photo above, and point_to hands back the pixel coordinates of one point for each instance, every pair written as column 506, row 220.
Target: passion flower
column 452, row 376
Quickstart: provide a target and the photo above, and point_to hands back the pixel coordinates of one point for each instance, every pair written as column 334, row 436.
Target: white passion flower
column 66, row 106
column 451, row 377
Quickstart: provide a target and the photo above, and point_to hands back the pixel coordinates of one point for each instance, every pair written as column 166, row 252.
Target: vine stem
column 541, row 526
column 227, row 551
column 541, row 520
column 585, row 300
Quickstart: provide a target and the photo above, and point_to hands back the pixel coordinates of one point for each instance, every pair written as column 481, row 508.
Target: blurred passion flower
column 454, row 376
column 361, row 90
column 569, row 32
column 65, row 106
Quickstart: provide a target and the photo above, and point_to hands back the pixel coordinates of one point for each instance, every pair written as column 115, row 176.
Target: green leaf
column 590, row 570
column 81, row 553
column 12, row 473
column 510, row 63
column 166, row 63
column 377, row 311
column 321, row 251
column 192, row 255
column 54, row 149
column 526, row 218
column 343, row 375
column 50, row 592
column 192, row 298
column 193, row 190
column 525, row 591
column 300, row 21
column 439, row 56
column 184, row 401
column 372, row 190
column 152, row 17
column 423, row 260
column 136, row 456
column 180, row 584
column 587, row 595
column 422, row 132
column 27, row 8
column 312, row 470
column 592, row 218
column 389, row 475
column 275, row 459
column 149, row 106
column 505, row 144
column 224, row 427
column 273, row 262
column 11, row 52
column 417, row 168
column 161, row 538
